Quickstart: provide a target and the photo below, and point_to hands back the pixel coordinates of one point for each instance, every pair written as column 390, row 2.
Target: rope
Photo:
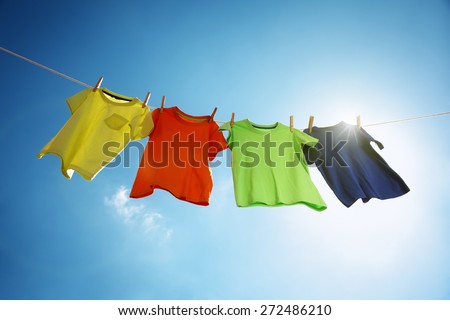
column 407, row 119
column 46, row 68
column 88, row 86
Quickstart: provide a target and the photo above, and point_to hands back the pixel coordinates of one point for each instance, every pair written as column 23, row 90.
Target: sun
column 350, row 117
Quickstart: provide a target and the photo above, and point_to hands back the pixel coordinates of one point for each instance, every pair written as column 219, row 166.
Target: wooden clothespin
column 358, row 121
column 310, row 124
column 232, row 120
column 291, row 118
column 146, row 99
column 212, row 114
column 99, row 82
column 163, row 101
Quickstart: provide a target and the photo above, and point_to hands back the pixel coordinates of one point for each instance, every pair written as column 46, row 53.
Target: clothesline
column 46, row 68
column 408, row 119
column 89, row 86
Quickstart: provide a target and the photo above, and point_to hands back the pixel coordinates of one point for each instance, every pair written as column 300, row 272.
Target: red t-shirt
column 176, row 156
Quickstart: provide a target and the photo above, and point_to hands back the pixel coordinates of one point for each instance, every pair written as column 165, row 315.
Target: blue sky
column 263, row 60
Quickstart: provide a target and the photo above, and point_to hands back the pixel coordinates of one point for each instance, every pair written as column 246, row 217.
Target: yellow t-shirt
column 101, row 125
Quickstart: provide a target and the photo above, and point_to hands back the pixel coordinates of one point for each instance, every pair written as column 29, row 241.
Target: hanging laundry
column 269, row 168
column 176, row 156
column 351, row 166
column 101, row 125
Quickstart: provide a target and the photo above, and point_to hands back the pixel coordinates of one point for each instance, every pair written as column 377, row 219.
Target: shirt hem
column 310, row 205
column 135, row 195
column 64, row 169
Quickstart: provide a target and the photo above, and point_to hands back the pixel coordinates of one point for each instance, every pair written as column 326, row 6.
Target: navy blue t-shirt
column 351, row 166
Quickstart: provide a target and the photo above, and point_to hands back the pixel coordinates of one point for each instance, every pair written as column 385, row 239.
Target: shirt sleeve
column 217, row 142
column 227, row 127
column 141, row 125
column 369, row 138
column 77, row 99
column 155, row 115
column 305, row 139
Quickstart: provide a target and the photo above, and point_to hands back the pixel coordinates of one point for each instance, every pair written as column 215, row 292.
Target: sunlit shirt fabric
column 351, row 166
column 268, row 165
column 176, row 157
column 101, row 125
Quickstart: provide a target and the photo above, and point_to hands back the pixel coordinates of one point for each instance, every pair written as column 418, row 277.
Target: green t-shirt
column 269, row 167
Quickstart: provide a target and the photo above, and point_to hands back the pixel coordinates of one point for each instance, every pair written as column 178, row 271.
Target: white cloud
column 137, row 214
